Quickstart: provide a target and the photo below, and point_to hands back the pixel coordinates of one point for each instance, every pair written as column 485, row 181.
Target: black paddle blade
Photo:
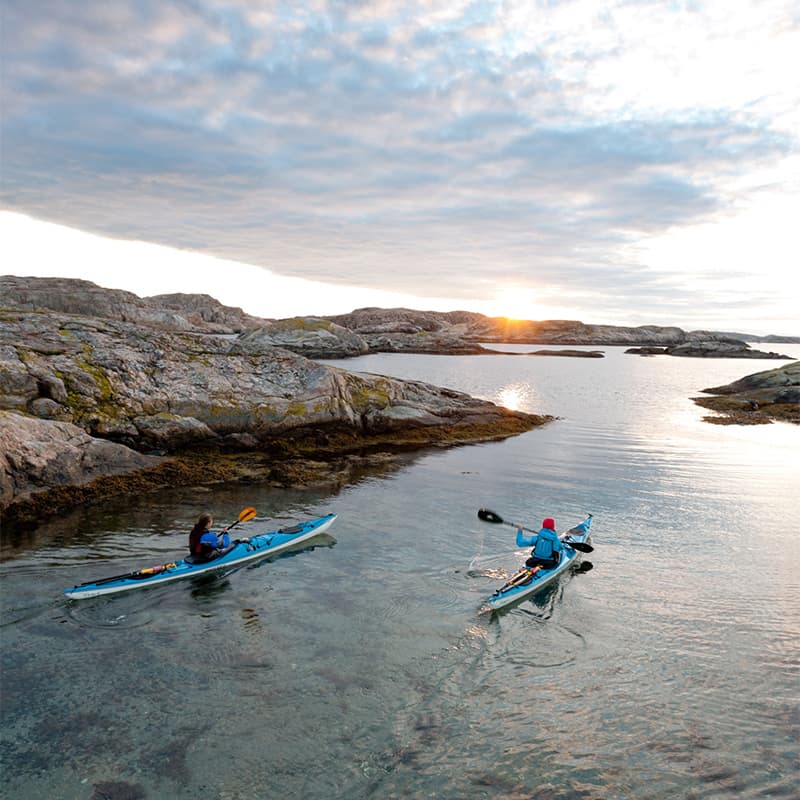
column 581, row 547
column 489, row 516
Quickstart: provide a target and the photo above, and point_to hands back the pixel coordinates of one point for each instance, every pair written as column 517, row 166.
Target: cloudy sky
column 625, row 162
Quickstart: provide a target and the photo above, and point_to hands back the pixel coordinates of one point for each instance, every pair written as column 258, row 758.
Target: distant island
column 368, row 330
column 102, row 391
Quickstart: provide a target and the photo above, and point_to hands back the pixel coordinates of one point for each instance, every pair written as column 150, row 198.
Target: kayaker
column 203, row 541
column 547, row 546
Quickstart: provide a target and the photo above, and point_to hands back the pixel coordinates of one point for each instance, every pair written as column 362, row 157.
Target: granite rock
column 37, row 454
column 758, row 398
column 129, row 388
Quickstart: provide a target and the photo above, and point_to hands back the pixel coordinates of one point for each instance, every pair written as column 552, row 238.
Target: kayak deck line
column 240, row 552
column 527, row 582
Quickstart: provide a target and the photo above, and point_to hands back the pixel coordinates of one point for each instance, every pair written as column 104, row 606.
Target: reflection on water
column 515, row 396
column 668, row 670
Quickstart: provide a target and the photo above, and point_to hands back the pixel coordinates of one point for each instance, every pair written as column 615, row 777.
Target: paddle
column 245, row 515
column 489, row 516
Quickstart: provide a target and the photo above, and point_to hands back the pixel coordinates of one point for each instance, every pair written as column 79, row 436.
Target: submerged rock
column 118, row 790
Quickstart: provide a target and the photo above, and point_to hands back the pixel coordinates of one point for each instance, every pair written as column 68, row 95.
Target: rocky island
column 403, row 330
column 757, row 399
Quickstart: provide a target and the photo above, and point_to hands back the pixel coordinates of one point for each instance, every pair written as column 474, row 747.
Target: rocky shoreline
column 758, row 399
column 103, row 392
column 125, row 400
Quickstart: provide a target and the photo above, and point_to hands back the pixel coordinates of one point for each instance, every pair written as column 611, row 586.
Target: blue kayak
column 241, row 552
column 528, row 582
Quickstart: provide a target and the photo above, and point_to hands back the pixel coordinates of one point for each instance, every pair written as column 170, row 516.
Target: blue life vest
column 209, row 542
column 547, row 545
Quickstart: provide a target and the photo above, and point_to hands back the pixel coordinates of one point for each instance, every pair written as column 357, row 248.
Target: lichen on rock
column 85, row 398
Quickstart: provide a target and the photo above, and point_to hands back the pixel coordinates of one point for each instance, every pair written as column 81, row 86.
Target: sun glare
column 513, row 397
column 516, row 302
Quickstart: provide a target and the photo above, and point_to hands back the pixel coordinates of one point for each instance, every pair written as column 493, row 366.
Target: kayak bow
column 528, row 582
column 241, row 552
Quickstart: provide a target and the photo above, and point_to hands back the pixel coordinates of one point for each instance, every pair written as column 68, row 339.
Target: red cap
column 549, row 522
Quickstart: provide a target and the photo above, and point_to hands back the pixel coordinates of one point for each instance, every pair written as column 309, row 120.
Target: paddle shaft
column 244, row 516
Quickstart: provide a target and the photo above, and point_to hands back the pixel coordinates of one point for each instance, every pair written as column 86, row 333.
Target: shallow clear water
column 361, row 668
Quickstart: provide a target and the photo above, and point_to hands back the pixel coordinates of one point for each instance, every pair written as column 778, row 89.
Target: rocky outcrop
column 708, row 348
column 151, row 389
column 435, row 343
column 310, row 337
column 405, row 320
column 180, row 312
column 84, row 297
column 771, row 338
column 205, row 313
column 379, row 330
column 721, row 349
column 402, row 329
column 38, row 454
column 756, row 399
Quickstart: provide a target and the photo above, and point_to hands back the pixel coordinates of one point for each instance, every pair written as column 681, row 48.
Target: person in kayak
column 203, row 542
column 547, row 546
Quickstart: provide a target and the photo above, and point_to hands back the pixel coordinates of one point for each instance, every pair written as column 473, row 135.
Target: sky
column 625, row 162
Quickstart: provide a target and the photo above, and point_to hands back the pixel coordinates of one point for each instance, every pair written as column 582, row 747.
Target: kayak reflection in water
column 547, row 550
column 204, row 544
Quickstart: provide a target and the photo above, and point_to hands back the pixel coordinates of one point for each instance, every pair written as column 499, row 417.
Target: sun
column 515, row 302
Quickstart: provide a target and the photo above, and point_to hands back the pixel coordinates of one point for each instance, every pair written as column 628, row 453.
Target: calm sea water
column 361, row 668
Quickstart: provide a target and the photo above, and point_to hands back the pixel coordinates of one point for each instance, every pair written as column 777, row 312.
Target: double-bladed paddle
column 489, row 516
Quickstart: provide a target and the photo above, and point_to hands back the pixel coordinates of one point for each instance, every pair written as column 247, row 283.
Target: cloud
column 421, row 147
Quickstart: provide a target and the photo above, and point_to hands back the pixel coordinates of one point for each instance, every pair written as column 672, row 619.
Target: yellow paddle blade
column 247, row 514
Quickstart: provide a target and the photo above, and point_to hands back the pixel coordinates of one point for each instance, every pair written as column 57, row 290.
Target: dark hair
column 202, row 523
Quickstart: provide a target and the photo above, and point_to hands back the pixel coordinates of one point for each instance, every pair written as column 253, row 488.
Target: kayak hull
column 507, row 595
column 242, row 552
